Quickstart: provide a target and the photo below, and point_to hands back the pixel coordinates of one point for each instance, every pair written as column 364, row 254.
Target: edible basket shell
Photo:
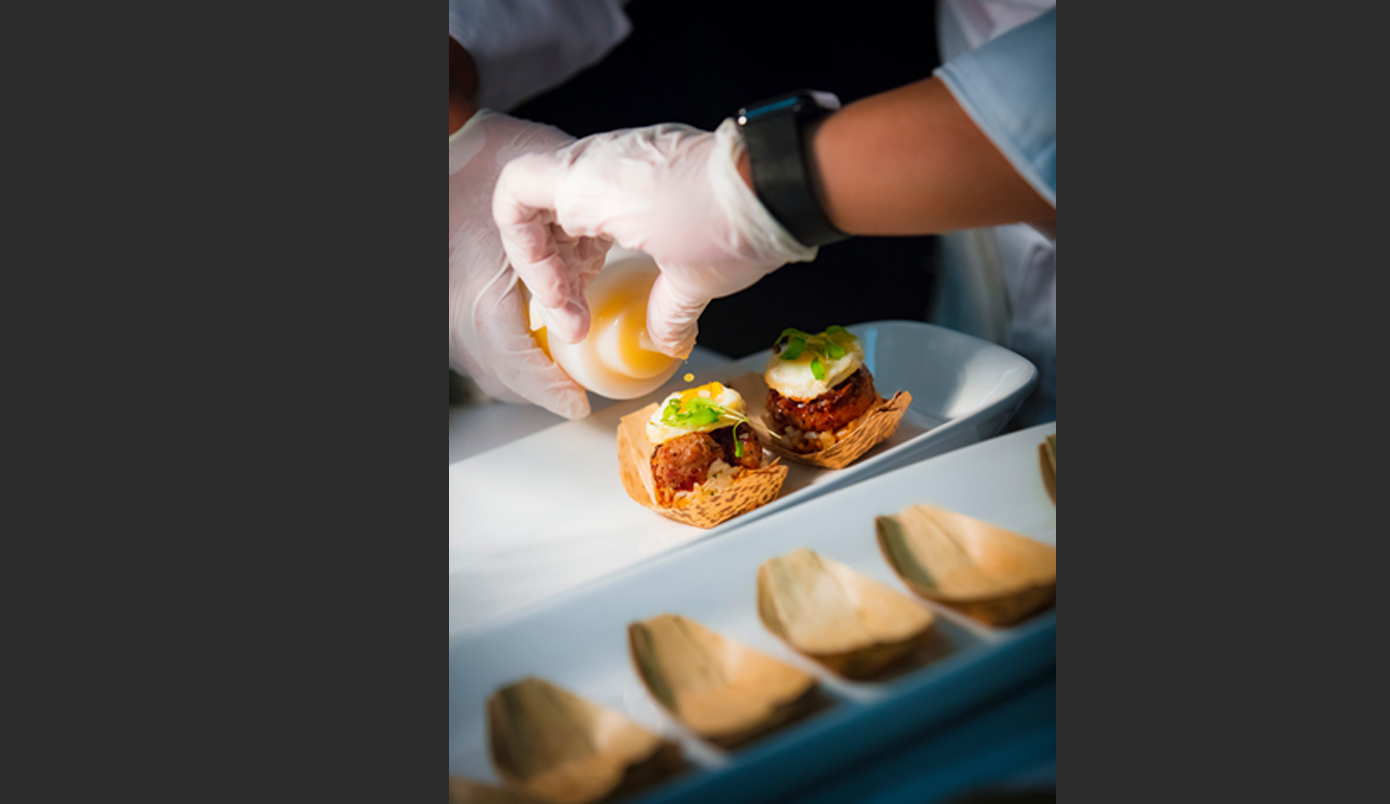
column 751, row 489
column 851, row 624
column 559, row 748
column 873, row 428
column 988, row 573
column 722, row 690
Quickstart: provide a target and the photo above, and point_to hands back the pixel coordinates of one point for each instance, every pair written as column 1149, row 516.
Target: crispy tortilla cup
column 863, row 434
column 750, row 489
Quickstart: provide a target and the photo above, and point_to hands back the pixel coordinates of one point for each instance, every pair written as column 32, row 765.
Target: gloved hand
column 670, row 190
column 489, row 339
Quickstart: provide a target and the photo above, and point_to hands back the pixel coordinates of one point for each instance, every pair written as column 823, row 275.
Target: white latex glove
column 489, row 336
column 671, row 191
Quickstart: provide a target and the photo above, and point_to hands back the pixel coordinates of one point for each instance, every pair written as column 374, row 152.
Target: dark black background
column 697, row 64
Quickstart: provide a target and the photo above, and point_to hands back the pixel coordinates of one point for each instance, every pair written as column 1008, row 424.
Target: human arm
column 920, row 159
column 974, row 145
column 911, row 162
column 873, row 176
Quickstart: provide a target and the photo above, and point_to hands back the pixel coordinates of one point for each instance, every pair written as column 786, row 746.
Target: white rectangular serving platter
column 579, row 640
column 547, row 513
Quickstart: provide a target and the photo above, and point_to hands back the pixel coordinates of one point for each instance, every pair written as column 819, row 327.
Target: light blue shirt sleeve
column 1008, row 86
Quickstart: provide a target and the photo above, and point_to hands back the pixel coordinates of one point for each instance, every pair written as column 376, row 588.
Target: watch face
column 793, row 102
column 827, row 100
column 762, row 109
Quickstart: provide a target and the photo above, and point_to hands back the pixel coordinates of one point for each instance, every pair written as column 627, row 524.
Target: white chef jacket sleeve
column 525, row 47
column 1008, row 87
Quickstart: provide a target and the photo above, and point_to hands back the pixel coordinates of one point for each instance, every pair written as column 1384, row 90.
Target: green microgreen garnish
column 698, row 412
column 702, row 412
column 832, row 344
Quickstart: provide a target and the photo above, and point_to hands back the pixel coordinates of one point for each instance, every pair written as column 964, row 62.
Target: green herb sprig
column 702, row 412
column 699, row 412
column 831, row 345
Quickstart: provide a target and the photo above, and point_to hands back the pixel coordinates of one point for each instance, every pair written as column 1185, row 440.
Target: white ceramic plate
column 578, row 640
column 546, row 513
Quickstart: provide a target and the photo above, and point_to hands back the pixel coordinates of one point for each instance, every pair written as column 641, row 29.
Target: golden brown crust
column 750, row 455
column 750, row 489
column 830, row 411
column 874, row 427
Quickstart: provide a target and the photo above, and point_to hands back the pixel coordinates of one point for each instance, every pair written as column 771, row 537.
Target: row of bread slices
column 553, row 746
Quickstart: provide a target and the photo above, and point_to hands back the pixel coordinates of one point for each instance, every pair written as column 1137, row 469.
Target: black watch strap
column 773, row 132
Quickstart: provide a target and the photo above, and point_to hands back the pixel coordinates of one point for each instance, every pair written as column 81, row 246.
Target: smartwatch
column 774, row 135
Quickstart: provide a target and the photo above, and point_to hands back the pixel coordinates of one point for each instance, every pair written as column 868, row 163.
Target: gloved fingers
column 672, row 317
column 586, row 254
column 466, row 351
column 558, row 287
column 523, row 209
column 595, row 251
column 534, row 377
column 518, row 362
column 583, row 257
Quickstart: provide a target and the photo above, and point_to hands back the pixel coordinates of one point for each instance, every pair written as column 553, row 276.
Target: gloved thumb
column 672, row 317
column 517, row 359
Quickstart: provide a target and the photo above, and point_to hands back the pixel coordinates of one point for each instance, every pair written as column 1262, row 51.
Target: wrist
column 734, row 190
column 782, row 167
column 745, row 172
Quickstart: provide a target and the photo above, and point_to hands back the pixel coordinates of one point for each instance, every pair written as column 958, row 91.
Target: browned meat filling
column 752, row 451
column 830, row 411
column 684, row 461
